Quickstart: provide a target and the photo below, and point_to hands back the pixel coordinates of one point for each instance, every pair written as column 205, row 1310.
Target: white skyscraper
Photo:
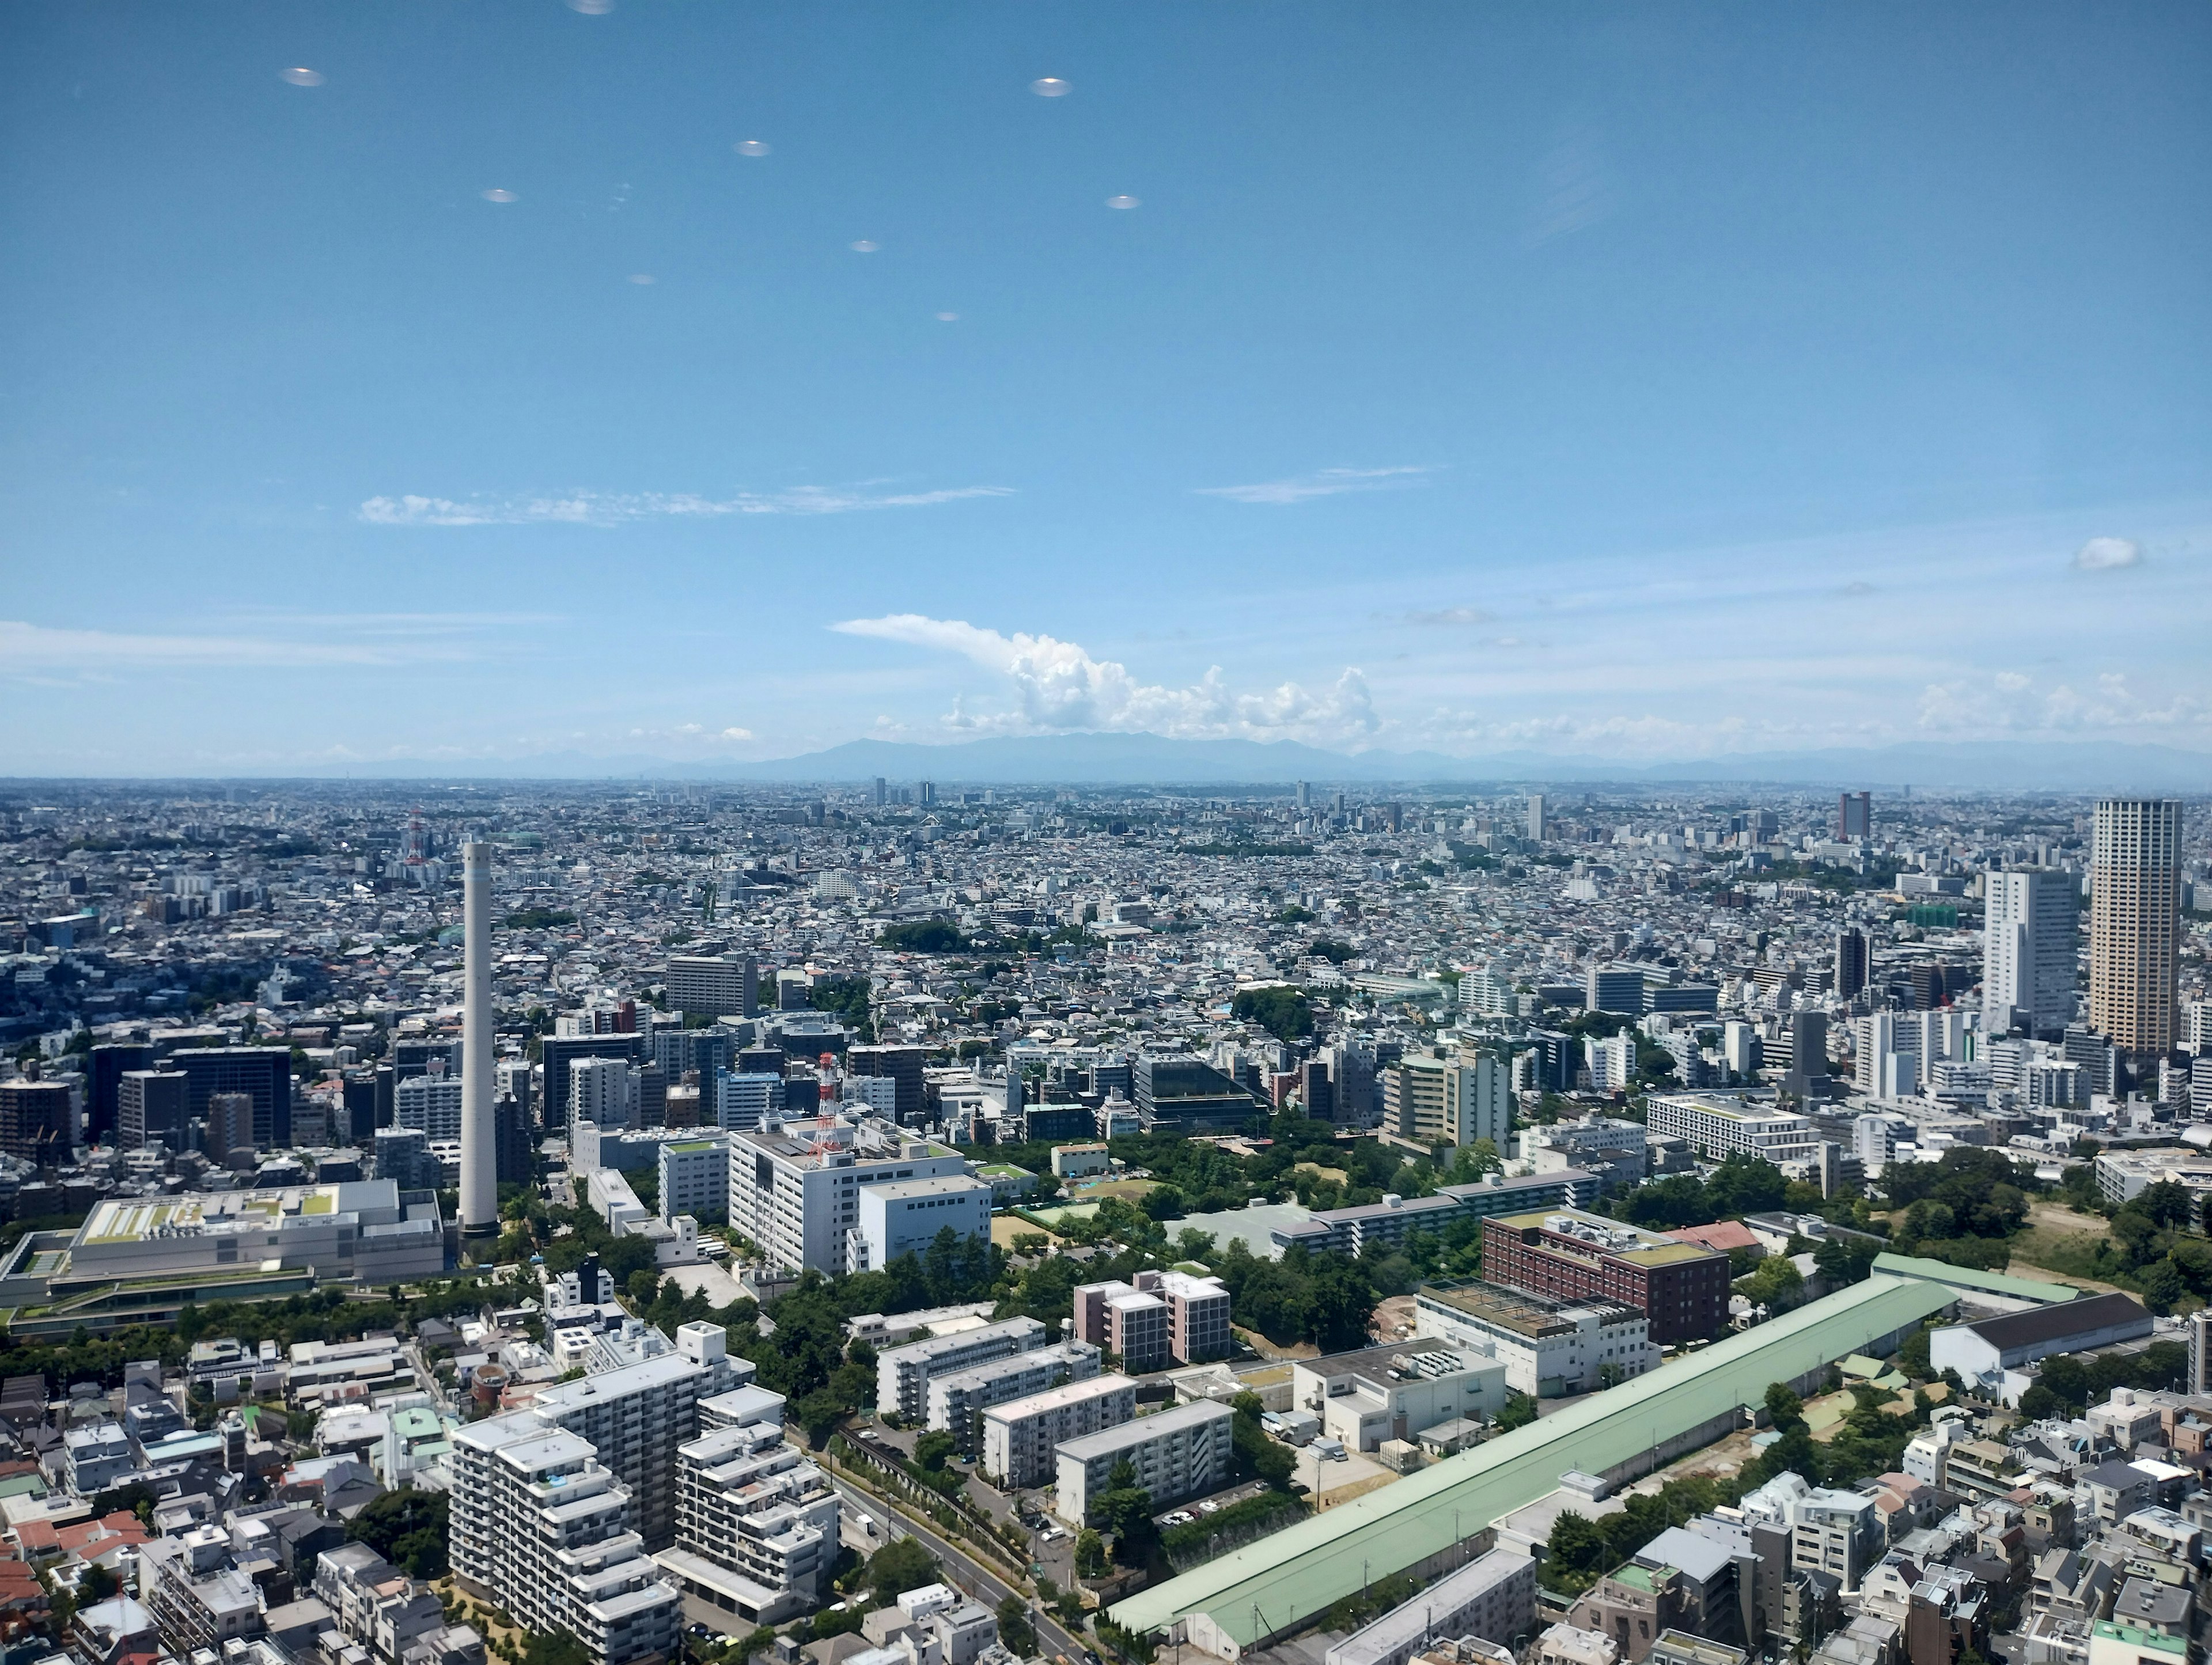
column 2030, row 951
column 479, row 1124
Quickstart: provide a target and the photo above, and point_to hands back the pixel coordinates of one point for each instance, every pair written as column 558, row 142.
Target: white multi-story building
column 795, row 1186
column 694, row 1176
column 957, row 1397
column 1396, row 1391
column 1547, row 1348
column 2031, row 952
column 1175, row 1453
column 1836, row 1532
column 637, row 1415
column 1492, row 1596
column 903, row 1374
column 756, row 1528
column 1021, row 1436
column 743, row 1100
column 903, row 1216
column 541, row 1529
column 431, row 1102
column 1453, row 1101
column 603, row 1091
column 1610, row 1061
column 1722, row 1127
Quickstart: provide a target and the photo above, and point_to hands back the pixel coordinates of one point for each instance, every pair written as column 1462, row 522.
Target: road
column 986, row 1585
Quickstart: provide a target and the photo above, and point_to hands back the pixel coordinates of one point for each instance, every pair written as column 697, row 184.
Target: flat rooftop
column 1531, row 1315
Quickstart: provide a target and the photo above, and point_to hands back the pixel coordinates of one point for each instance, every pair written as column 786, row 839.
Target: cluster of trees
column 1581, row 1550
column 407, row 1528
column 2149, row 1247
column 1284, row 1013
column 2071, row 1383
column 924, row 936
column 1741, row 1185
column 846, row 999
column 1325, row 1299
column 1963, row 1209
column 1872, row 1440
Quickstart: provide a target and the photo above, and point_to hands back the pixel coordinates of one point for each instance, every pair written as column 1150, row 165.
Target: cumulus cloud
column 1327, row 482
column 2009, row 702
column 590, row 508
column 1058, row 686
column 2104, row 555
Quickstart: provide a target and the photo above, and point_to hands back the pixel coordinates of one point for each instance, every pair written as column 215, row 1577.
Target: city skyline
column 696, row 386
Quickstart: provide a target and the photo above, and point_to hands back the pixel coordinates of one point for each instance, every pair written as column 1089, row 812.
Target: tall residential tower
column 479, row 1122
column 2030, row 952
column 2135, row 923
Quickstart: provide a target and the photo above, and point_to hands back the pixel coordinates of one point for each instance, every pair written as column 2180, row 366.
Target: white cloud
column 589, row 509
column 25, row 647
column 2010, row 703
column 1327, row 482
column 1058, row 686
column 2104, row 555
column 1446, row 616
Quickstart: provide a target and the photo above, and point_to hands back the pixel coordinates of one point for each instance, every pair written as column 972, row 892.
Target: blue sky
column 1637, row 380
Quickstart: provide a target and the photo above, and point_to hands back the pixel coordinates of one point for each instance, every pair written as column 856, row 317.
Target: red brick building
column 1682, row 1288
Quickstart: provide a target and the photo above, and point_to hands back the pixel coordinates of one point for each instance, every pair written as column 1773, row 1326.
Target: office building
column 1615, row 989
column 1021, row 1436
column 37, row 1121
column 903, row 1216
column 1176, row 1454
column 1184, row 1094
column 1396, row 1392
column 557, row 1053
column 795, row 1189
column 903, row 1374
column 2031, row 952
column 956, row 1398
column 1548, row 1348
column 694, row 1176
column 150, row 1107
column 712, row 985
column 1718, row 1127
column 2135, row 923
column 542, row 1530
column 603, row 1091
column 1854, row 815
column 1435, row 1101
column 705, row 1052
column 430, row 1103
column 1572, row 1257
column 103, row 1072
column 2199, row 1379
column 263, row 1072
column 1539, row 828
column 902, row 1065
column 1807, row 1076
column 228, row 1132
column 743, row 1099
column 1850, row 962
column 1610, row 1061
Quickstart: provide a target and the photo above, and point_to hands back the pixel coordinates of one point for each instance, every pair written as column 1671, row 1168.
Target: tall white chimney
column 479, row 1124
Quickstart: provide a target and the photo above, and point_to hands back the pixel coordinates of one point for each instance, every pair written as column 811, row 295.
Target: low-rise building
column 903, row 1374
column 1494, row 1597
column 1022, row 1436
column 958, row 1397
column 1176, row 1454
column 1395, row 1392
column 1548, row 1348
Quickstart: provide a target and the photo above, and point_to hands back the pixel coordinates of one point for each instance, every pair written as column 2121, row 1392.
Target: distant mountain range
column 1152, row 760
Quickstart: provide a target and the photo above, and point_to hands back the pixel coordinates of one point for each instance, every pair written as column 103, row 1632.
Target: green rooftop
column 1289, row 1578
column 1968, row 1277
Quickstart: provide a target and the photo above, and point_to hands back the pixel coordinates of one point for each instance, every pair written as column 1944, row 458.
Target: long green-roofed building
column 1974, row 1281
column 1279, row 1583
